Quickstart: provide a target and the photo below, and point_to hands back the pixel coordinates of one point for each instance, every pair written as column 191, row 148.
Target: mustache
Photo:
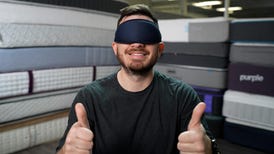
column 132, row 50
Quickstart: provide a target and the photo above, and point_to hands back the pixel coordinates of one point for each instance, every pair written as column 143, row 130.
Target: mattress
column 257, row 138
column 62, row 78
column 103, row 71
column 213, row 99
column 257, row 110
column 251, row 78
column 32, row 105
column 24, row 83
column 19, row 59
column 253, row 53
column 252, row 30
column 32, row 133
column 39, row 14
column 198, row 48
column 193, row 60
column 34, row 24
column 196, row 76
column 12, row 84
column 30, row 35
column 195, row 30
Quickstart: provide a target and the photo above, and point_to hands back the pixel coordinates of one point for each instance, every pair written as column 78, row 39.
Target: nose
column 137, row 45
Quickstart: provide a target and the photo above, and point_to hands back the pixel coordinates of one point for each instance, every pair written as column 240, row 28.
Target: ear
column 114, row 47
column 161, row 48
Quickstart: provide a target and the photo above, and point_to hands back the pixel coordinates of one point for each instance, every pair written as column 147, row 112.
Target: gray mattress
column 198, row 48
column 196, row 76
column 32, row 105
column 21, row 59
column 193, row 60
column 195, row 30
column 259, row 54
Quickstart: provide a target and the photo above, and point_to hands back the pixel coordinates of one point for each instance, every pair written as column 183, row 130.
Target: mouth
column 137, row 55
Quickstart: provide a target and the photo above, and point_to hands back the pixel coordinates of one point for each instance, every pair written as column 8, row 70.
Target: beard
column 135, row 67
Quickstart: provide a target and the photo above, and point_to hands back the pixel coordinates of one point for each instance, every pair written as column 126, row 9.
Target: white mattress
column 195, row 30
column 196, row 76
column 15, row 83
column 54, row 79
column 12, row 11
column 27, row 106
column 30, row 35
column 31, row 135
column 24, row 24
column 103, row 71
column 249, row 109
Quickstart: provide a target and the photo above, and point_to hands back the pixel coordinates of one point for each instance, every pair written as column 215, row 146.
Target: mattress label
column 252, row 78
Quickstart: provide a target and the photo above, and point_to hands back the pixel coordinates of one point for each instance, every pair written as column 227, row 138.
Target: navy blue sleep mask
column 138, row 31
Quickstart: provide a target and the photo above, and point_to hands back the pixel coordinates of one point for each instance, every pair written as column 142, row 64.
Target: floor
column 225, row 147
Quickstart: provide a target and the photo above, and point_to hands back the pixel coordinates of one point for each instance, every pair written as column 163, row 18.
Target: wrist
column 214, row 146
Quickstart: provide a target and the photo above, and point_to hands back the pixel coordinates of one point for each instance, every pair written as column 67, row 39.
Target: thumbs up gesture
column 80, row 138
column 195, row 140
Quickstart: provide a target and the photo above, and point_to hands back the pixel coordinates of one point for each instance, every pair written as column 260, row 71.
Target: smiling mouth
column 137, row 54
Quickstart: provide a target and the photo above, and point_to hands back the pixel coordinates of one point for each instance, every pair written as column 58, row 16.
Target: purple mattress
column 251, row 78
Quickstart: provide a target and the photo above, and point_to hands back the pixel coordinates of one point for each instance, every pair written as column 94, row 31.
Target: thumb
column 197, row 114
column 81, row 115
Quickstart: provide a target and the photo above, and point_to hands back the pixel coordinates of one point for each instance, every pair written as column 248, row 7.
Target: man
column 137, row 110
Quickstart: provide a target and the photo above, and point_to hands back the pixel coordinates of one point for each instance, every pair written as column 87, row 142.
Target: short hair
column 137, row 9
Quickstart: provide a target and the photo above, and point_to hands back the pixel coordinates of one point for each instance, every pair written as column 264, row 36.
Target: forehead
column 136, row 16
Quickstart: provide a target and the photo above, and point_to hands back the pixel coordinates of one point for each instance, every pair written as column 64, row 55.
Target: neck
column 134, row 82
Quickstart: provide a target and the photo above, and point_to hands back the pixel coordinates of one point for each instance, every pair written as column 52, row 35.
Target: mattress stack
column 47, row 52
column 249, row 100
column 196, row 51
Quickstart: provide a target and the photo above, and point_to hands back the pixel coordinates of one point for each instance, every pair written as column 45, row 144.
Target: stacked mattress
column 197, row 52
column 249, row 100
column 47, row 53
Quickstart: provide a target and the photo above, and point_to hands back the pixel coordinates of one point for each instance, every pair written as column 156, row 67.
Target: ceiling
column 166, row 9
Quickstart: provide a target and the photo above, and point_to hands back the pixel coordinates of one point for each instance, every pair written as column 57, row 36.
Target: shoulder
column 171, row 81
column 100, row 84
column 174, row 86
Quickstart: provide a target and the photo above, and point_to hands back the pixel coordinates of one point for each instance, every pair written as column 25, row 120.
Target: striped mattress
column 252, row 109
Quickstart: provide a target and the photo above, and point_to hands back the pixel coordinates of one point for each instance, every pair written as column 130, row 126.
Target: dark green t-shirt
column 145, row 122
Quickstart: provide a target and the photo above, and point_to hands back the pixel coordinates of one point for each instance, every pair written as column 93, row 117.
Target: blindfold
column 138, row 31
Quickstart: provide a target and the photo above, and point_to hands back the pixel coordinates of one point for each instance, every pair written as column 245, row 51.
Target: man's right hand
column 79, row 138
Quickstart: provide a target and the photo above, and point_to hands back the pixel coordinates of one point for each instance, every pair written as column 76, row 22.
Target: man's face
column 137, row 58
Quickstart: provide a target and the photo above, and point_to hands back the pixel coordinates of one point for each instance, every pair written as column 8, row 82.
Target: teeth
column 138, row 54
